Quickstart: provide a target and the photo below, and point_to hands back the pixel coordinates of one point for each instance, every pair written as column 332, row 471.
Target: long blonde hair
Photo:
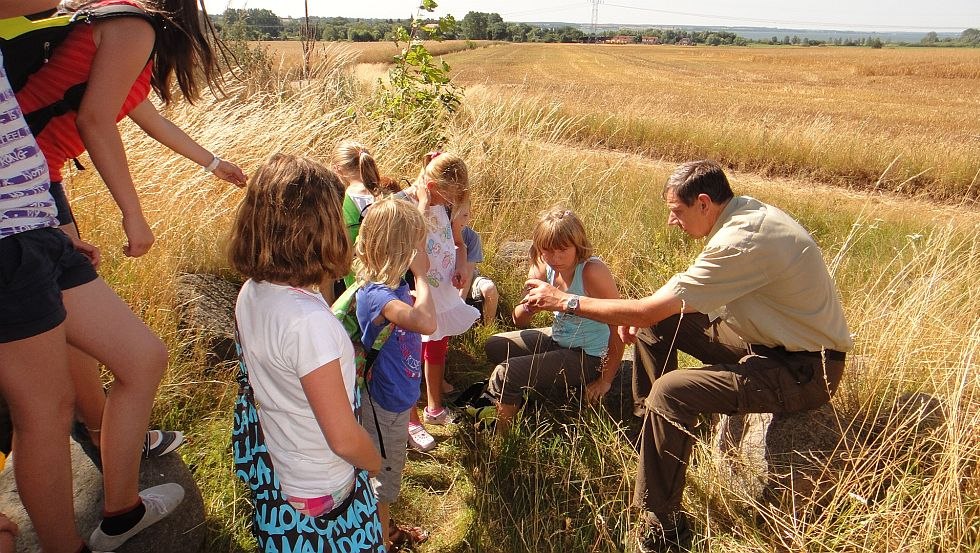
column 388, row 241
column 449, row 173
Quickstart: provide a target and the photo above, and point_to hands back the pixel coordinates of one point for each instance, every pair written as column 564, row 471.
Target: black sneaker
column 161, row 442
column 654, row 538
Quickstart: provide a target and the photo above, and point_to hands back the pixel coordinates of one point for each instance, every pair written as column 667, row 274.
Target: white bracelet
column 213, row 165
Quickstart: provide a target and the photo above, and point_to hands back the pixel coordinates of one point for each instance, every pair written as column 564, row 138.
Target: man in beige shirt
column 757, row 306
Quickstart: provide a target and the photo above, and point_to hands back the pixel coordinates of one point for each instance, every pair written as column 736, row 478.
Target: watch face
column 572, row 304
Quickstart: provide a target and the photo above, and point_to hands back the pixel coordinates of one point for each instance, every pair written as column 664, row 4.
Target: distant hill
column 757, row 33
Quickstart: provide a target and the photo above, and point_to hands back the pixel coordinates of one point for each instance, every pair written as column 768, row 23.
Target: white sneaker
column 419, row 438
column 441, row 417
column 160, row 501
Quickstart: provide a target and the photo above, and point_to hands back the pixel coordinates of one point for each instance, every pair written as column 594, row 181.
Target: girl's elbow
column 90, row 121
column 343, row 447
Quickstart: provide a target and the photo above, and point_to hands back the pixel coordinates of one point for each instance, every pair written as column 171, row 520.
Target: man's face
column 695, row 219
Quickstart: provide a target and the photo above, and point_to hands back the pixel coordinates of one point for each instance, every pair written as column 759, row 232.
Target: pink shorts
column 435, row 352
column 318, row 506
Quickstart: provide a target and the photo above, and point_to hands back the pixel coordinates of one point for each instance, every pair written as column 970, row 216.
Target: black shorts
column 35, row 267
column 65, row 216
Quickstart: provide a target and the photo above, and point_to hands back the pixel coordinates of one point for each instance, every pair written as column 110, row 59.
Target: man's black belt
column 831, row 354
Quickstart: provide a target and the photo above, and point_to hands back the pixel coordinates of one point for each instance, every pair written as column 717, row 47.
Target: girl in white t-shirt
column 287, row 238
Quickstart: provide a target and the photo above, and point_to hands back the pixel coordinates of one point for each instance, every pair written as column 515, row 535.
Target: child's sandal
column 402, row 536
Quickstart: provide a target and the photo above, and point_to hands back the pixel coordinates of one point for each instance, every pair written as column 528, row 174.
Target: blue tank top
column 571, row 331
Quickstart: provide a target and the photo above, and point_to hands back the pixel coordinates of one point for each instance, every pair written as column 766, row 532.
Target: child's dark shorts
column 35, row 267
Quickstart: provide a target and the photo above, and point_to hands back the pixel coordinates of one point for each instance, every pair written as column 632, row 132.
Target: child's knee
column 489, row 291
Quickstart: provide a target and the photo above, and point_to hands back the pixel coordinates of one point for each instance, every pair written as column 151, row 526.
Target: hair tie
column 434, row 154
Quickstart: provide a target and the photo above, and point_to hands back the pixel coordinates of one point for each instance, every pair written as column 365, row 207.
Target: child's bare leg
column 434, row 375
column 137, row 360
column 505, row 416
column 491, row 298
column 35, row 381
column 89, row 393
column 384, row 513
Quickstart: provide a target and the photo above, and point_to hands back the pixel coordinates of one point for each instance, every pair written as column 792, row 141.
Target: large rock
column 787, row 458
column 181, row 531
column 207, row 313
column 516, row 254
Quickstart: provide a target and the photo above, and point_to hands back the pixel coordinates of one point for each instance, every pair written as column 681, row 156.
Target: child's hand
column 138, row 234
column 230, row 172
column 596, row 389
column 424, row 196
column 88, row 250
column 458, row 279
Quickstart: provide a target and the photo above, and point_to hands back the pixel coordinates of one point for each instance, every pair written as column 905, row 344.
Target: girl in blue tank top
column 572, row 353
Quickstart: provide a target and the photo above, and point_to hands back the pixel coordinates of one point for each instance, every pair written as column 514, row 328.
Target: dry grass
column 291, row 52
column 906, row 270
column 842, row 115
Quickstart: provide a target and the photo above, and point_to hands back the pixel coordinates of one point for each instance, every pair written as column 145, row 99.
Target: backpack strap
column 39, row 118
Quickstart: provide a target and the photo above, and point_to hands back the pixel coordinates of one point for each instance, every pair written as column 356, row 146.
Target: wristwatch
column 571, row 304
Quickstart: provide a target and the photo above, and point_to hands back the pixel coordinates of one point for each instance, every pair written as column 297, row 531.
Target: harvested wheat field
column 291, row 52
column 900, row 119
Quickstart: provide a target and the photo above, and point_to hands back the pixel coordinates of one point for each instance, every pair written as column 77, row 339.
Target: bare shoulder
column 136, row 30
column 596, row 268
column 598, row 279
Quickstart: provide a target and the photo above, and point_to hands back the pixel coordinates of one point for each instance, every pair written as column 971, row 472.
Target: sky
column 860, row 15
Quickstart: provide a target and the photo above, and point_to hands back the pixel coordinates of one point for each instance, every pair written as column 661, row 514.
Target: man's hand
column 139, row 236
column 627, row 334
column 596, row 389
column 88, row 250
column 542, row 296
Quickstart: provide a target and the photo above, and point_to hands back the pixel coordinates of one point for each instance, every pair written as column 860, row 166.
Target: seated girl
column 574, row 351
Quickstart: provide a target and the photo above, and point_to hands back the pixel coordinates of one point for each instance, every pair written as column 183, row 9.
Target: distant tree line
column 262, row 24
column 969, row 37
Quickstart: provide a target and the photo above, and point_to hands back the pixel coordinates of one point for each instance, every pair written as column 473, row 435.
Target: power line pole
column 595, row 19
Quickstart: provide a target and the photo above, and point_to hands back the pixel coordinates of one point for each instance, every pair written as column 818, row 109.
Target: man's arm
column 643, row 312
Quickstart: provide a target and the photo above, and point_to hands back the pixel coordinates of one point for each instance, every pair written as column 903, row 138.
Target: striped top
column 25, row 201
column 69, row 65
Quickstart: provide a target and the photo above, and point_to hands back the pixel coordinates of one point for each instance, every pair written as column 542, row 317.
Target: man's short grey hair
column 694, row 178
